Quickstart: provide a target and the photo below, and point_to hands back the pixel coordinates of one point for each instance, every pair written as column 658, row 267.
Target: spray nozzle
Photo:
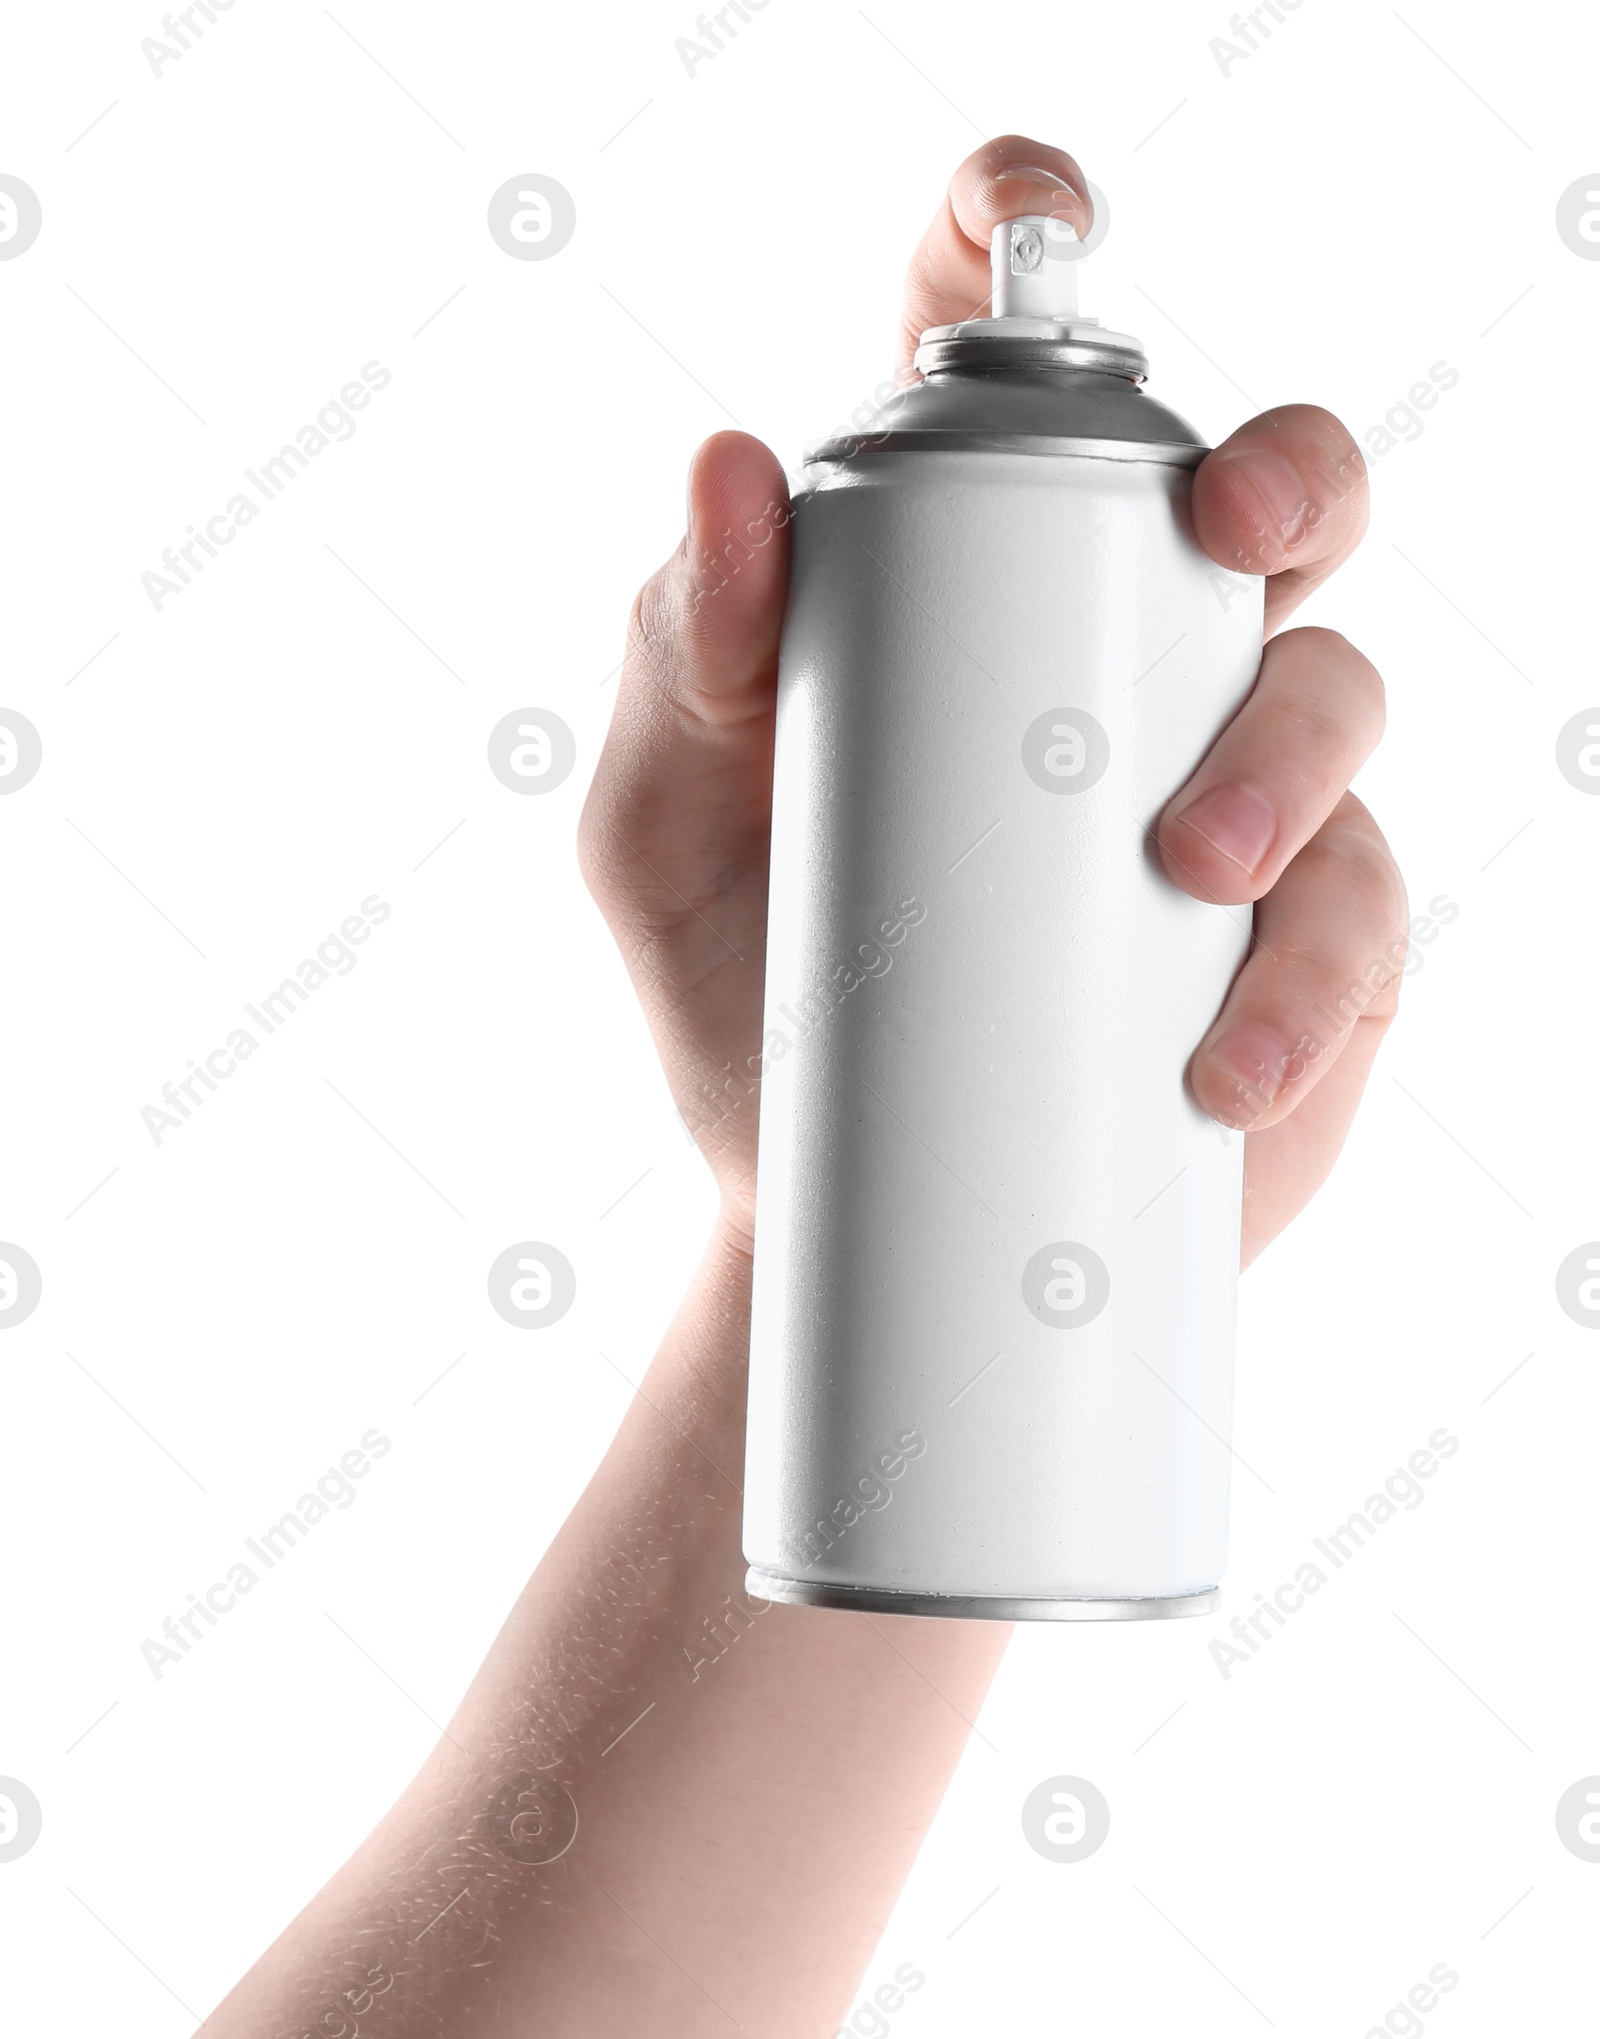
column 1033, row 266
column 1033, row 321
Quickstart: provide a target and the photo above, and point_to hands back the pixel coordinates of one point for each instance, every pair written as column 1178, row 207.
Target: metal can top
column 1004, row 398
column 1037, row 377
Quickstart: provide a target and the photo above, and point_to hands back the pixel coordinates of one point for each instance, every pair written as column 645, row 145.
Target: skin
column 752, row 1783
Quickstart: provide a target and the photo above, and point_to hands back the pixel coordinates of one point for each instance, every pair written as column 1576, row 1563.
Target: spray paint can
column 997, row 1241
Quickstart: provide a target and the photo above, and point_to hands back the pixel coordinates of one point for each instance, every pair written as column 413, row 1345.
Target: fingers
column 948, row 279
column 1285, row 496
column 1330, row 942
column 1286, row 1165
column 1277, row 771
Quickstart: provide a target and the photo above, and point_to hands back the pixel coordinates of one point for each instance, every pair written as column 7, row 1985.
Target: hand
column 675, row 832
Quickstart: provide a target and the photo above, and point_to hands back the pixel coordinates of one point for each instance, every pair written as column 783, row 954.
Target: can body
column 997, row 1241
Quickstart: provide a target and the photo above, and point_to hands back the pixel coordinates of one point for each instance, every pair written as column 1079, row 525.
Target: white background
column 1297, row 1845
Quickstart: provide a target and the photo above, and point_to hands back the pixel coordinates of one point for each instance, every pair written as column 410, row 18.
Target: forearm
column 750, row 1784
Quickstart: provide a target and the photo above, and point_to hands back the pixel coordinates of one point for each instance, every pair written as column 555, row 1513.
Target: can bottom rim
column 765, row 1585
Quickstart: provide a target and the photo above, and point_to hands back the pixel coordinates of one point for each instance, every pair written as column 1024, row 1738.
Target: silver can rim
column 850, row 446
column 765, row 1585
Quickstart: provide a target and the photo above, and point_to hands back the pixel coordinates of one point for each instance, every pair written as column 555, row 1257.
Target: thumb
column 704, row 631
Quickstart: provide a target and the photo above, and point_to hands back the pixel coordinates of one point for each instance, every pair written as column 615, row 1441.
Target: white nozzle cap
column 1033, row 263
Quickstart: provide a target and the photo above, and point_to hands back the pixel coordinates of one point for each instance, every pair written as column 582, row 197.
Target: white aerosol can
column 997, row 1242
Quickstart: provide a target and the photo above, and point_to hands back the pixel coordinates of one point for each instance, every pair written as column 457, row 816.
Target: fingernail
column 1254, row 1060
column 1032, row 173
column 1050, row 180
column 1234, row 820
column 1280, row 490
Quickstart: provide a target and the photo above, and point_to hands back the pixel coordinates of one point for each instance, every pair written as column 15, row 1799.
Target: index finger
column 948, row 279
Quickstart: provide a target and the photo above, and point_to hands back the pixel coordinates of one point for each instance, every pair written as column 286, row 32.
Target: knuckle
column 1335, row 683
column 657, row 613
column 1354, row 855
column 1370, row 691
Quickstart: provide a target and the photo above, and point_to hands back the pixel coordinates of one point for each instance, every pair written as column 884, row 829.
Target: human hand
column 675, row 831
